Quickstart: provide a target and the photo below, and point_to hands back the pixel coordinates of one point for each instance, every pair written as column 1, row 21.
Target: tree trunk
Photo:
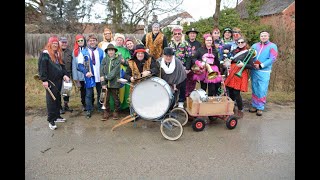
column 216, row 14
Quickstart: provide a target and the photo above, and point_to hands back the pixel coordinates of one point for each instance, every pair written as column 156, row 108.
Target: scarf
column 172, row 66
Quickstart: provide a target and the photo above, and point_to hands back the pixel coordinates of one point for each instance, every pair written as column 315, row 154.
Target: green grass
column 35, row 93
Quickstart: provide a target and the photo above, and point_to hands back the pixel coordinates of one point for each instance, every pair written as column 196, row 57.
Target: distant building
column 272, row 11
column 178, row 19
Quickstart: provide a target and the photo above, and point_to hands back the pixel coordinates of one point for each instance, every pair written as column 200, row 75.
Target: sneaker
column 62, row 111
column 180, row 104
column 259, row 112
column 253, row 109
column 52, row 126
column 88, row 114
column 60, row 119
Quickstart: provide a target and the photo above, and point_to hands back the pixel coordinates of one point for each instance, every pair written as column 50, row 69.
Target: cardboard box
column 215, row 105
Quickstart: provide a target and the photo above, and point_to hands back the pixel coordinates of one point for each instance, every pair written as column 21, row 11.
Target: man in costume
column 260, row 76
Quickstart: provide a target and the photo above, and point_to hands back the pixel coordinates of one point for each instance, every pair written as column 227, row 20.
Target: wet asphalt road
column 258, row 148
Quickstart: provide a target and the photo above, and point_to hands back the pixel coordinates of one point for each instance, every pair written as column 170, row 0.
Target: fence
column 34, row 43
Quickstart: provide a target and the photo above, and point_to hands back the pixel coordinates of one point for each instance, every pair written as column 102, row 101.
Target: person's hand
column 199, row 64
column 66, row 78
column 187, row 71
column 104, row 87
column 132, row 79
column 89, row 74
column 240, row 64
column 256, row 66
column 145, row 73
column 45, row 84
column 122, row 60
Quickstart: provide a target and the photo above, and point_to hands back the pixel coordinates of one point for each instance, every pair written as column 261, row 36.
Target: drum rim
column 170, row 100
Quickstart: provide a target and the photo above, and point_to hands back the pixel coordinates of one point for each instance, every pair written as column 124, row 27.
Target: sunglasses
column 177, row 34
column 106, row 33
column 240, row 42
column 81, row 40
column 236, row 31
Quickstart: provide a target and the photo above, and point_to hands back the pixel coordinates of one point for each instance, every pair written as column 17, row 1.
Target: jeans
column 89, row 97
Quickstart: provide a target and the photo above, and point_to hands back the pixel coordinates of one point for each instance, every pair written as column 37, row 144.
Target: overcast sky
column 204, row 8
column 196, row 8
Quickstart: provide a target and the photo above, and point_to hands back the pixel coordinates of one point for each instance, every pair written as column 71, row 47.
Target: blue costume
column 267, row 54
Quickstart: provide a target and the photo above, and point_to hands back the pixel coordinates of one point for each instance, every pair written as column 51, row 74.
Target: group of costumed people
column 181, row 63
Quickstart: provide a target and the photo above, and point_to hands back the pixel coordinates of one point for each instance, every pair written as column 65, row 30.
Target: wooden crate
column 214, row 106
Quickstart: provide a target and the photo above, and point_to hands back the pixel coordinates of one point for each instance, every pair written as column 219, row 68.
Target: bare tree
column 59, row 16
column 141, row 10
column 216, row 14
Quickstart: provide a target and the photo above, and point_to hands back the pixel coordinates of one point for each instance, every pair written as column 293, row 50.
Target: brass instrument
column 211, row 73
column 137, row 40
column 37, row 77
column 103, row 97
column 251, row 54
column 87, row 63
column 199, row 70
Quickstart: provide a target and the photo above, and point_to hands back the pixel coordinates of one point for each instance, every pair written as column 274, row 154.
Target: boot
column 105, row 115
column 66, row 107
column 115, row 115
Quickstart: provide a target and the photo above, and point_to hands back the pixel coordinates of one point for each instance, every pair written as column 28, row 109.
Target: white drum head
column 150, row 99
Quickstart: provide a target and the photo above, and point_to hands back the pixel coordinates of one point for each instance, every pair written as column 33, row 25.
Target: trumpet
column 137, row 40
column 103, row 97
column 37, row 77
column 251, row 54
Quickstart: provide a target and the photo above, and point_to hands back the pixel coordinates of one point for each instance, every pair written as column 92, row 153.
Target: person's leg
column 203, row 86
column 66, row 105
column 115, row 95
column 51, row 109
column 89, row 105
column 190, row 84
column 211, row 89
column 182, row 94
column 217, row 89
column 83, row 95
column 238, row 99
column 106, row 112
column 98, row 89
column 260, row 83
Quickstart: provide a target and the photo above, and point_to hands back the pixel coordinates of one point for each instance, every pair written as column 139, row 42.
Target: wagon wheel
column 179, row 114
column 231, row 122
column 198, row 124
column 171, row 129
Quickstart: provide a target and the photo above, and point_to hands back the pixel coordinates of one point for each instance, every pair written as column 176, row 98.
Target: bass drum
column 199, row 95
column 151, row 98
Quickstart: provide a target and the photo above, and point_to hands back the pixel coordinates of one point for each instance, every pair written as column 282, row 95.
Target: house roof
column 166, row 21
column 269, row 7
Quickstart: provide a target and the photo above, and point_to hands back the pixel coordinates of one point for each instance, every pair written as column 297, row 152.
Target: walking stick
column 37, row 77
